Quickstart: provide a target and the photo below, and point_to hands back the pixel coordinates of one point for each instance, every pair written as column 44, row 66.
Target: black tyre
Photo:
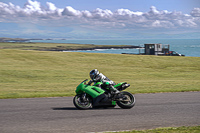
column 81, row 103
column 127, row 102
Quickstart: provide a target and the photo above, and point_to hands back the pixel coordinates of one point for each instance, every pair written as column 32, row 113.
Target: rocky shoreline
column 96, row 47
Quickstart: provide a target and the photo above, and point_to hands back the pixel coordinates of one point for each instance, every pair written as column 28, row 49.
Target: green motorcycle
column 94, row 96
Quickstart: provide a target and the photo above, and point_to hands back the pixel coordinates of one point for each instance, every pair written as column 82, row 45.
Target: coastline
column 40, row 46
column 94, row 48
column 188, row 47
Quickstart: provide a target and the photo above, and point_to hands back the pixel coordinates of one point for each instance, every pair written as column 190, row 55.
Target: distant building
column 156, row 49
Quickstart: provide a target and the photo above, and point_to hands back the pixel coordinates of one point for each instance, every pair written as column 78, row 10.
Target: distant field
column 42, row 46
column 28, row 73
column 52, row 46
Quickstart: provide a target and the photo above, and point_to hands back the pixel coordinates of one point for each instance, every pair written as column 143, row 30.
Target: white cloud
column 33, row 11
column 163, row 24
column 69, row 11
column 102, row 14
column 51, row 6
column 153, row 10
column 32, row 6
column 195, row 12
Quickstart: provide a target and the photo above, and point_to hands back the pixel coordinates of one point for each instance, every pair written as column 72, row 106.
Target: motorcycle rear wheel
column 81, row 103
column 127, row 103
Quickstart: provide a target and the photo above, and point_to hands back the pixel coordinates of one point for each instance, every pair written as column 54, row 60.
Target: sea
column 187, row 47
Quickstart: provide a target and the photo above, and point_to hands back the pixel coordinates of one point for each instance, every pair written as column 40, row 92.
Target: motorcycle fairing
column 93, row 91
column 103, row 101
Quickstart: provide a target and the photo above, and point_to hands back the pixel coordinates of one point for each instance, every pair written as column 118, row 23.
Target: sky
column 100, row 19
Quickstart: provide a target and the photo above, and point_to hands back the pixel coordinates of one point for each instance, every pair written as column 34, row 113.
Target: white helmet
column 94, row 73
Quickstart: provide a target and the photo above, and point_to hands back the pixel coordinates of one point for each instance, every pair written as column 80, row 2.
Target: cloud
column 195, row 12
column 34, row 12
column 69, row 11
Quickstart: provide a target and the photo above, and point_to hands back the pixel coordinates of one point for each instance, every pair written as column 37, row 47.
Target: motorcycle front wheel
column 82, row 103
column 127, row 102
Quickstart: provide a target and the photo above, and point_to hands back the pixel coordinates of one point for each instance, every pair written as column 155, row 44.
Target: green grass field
column 27, row 73
column 195, row 129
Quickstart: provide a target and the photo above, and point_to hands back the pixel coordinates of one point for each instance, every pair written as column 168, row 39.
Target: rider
column 99, row 77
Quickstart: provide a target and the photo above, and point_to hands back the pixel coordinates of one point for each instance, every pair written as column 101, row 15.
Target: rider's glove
column 90, row 82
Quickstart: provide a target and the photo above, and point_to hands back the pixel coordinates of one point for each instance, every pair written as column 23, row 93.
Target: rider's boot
column 116, row 92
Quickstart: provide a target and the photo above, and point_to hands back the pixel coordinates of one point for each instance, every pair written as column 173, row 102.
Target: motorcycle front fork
column 83, row 97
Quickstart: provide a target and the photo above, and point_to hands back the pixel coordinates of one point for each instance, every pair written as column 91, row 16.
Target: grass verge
column 50, row 74
column 193, row 129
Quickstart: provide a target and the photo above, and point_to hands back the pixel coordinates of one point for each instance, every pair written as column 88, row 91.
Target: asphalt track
column 58, row 115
